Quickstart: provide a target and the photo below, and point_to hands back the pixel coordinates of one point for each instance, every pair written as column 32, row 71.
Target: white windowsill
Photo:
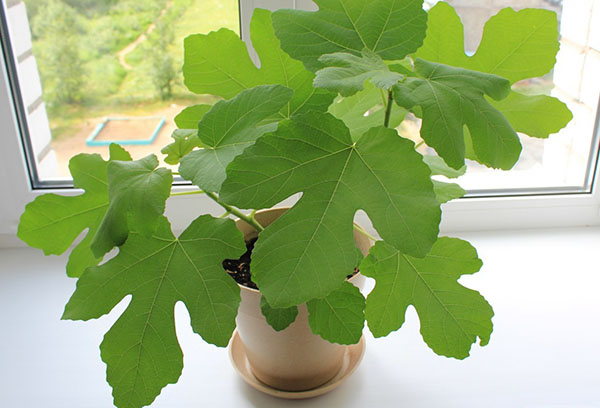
column 543, row 285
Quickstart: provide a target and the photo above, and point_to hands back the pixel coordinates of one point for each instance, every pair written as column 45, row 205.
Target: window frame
column 472, row 213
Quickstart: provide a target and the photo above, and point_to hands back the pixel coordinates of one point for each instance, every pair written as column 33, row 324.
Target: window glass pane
column 565, row 161
column 81, row 62
column 92, row 71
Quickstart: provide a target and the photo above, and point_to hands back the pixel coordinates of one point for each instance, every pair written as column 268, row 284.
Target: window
column 92, row 72
column 115, row 89
column 564, row 162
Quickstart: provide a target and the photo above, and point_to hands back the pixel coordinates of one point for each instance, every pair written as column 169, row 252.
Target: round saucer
column 352, row 356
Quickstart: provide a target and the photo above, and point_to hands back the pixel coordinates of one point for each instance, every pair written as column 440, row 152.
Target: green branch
column 187, row 193
column 383, row 98
column 248, row 219
column 365, row 233
column 388, row 109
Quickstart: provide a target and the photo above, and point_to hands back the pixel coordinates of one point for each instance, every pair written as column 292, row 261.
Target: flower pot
column 293, row 359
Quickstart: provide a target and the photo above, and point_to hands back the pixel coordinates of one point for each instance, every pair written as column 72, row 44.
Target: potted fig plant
column 318, row 116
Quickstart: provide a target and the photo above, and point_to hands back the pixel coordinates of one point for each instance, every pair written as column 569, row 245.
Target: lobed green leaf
column 189, row 117
column 278, row 319
column 518, row 44
column 52, row 222
column 438, row 167
column 445, row 192
column 451, row 98
column 515, row 45
column 227, row 129
column 141, row 350
column 137, row 192
column 346, row 73
column 535, row 115
column 184, row 141
column 208, row 67
column 389, row 28
column 340, row 316
column 309, row 250
column 452, row 316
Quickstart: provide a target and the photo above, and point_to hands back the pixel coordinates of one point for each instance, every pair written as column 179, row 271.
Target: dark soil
column 239, row 269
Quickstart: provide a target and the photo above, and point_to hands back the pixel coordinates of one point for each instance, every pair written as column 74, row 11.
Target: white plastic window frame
column 467, row 214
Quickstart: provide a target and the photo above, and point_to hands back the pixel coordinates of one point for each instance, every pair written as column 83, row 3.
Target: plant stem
column 421, row 143
column 365, row 233
column 383, row 100
column 248, row 219
column 188, row 193
column 388, row 110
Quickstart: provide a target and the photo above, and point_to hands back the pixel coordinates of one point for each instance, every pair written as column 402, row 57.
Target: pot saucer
column 352, row 356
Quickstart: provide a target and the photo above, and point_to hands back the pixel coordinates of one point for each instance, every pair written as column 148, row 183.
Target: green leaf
column 391, row 29
column 277, row 67
column 518, row 44
column 439, row 167
column 340, row 316
column 185, row 140
column 117, row 152
column 445, row 192
column 208, row 67
column 453, row 97
column 137, row 191
column 141, row 349
column 52, row 222
column 190, row 116
column 535, row 115
column 364, row 110
column 346, row 73
column 403, row 67
column 227, row 129
column 278, row 319
column 309, row 250
column 452, row 316
column 469, row 151
column 515, row 45
column 445, row 39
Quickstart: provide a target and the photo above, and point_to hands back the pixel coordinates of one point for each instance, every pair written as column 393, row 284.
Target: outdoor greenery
column 58, row 28
column 318, row 117
column 77, row 46
column 162, row 65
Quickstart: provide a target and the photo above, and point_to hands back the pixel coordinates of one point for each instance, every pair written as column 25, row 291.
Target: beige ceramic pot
column 293, row 359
